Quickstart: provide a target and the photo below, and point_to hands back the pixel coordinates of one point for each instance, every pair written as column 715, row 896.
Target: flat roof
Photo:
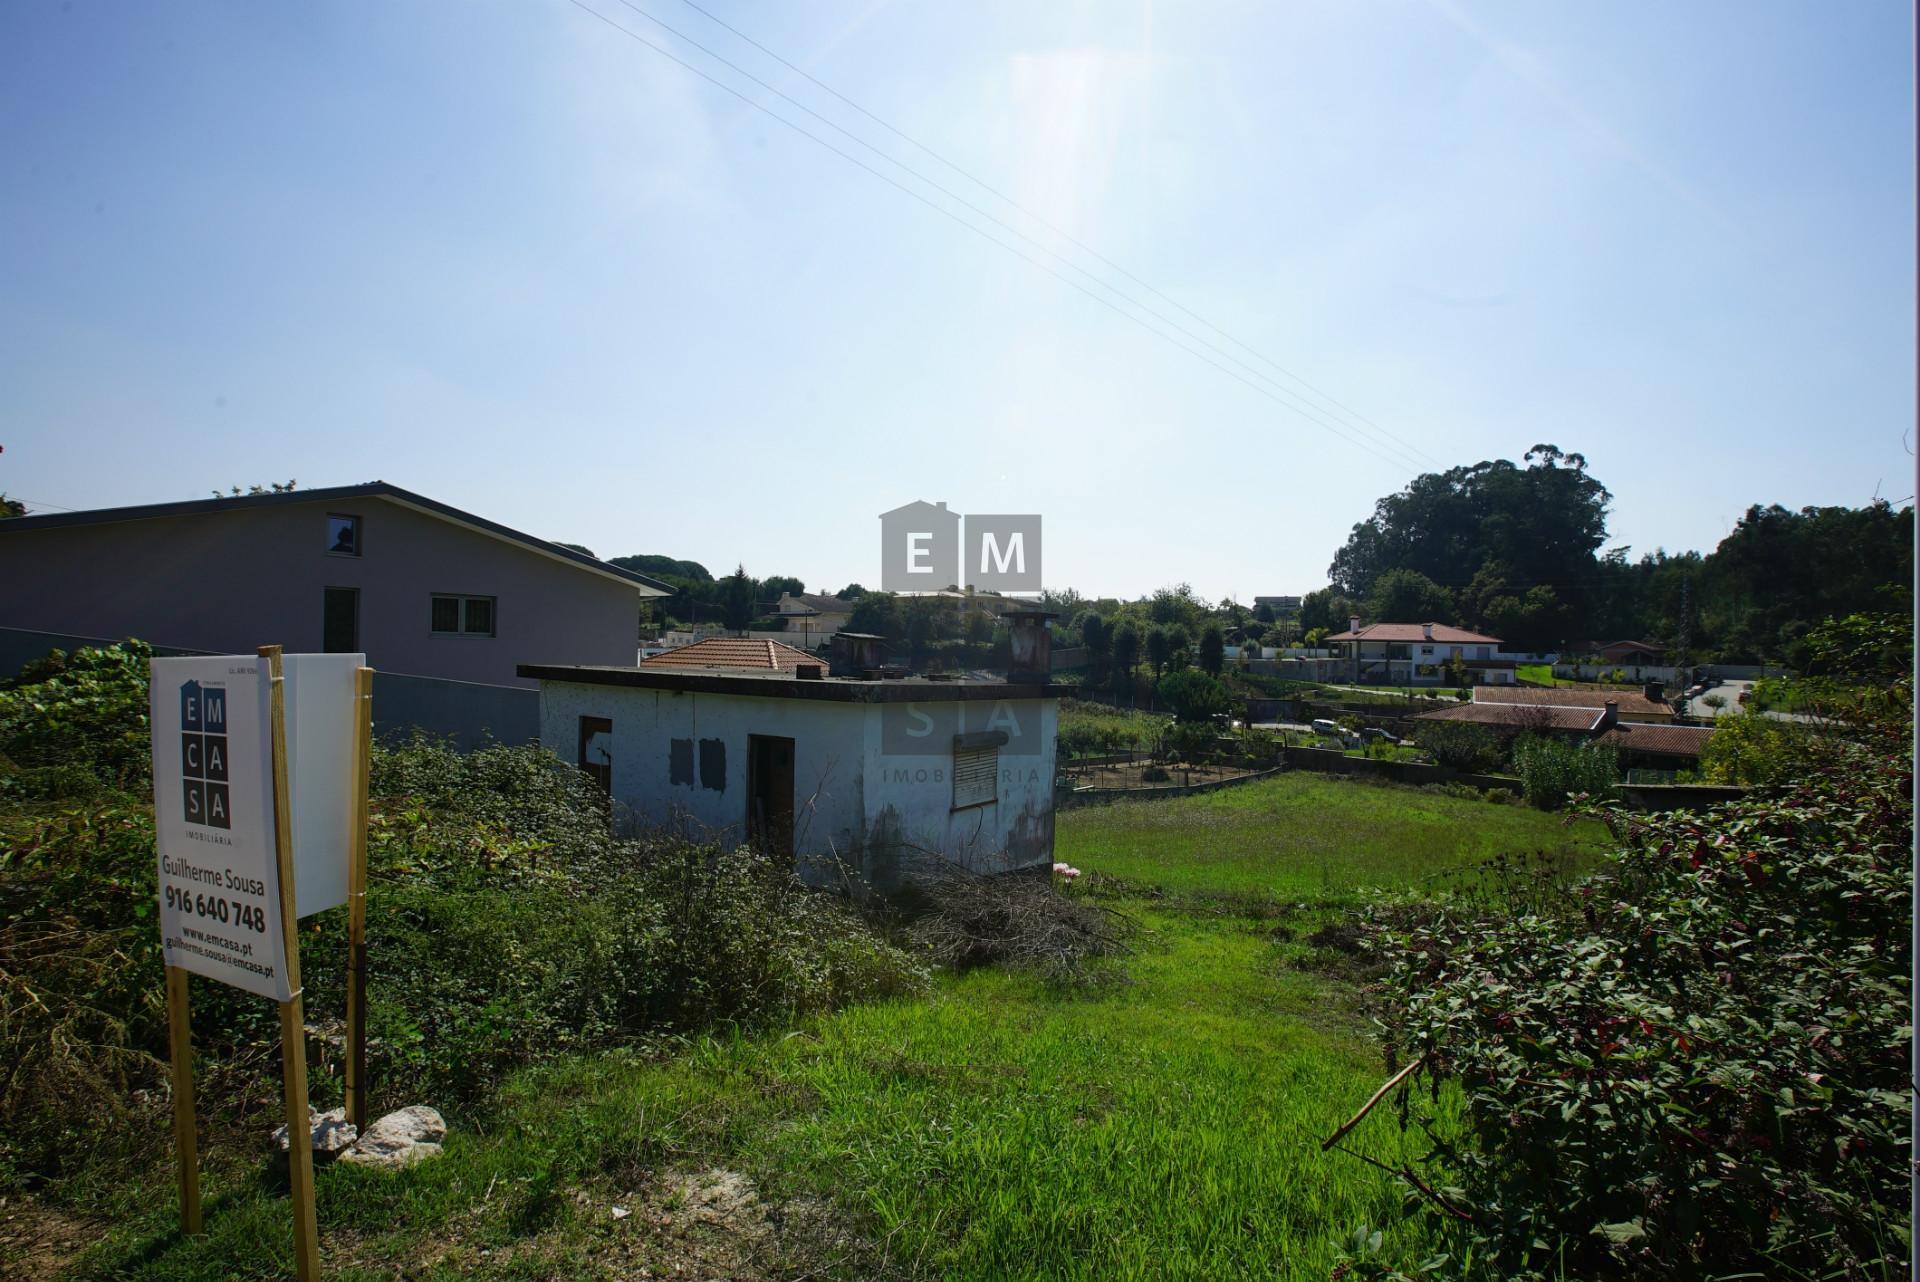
column 336, row 493
column 781, row 685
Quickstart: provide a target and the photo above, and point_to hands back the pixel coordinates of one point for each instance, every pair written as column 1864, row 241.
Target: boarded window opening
column 976, row 776
column 713, row 764
column 680, row 762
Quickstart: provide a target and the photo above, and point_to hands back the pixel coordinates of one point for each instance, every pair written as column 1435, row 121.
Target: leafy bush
column 1553, row 770
column 1462, row 745
column 75, row 725
column 1693, row 1064
column 1193, row 695
column 505, row 924
column 1752, row 749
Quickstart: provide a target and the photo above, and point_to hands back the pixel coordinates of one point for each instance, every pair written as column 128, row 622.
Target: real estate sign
column 213, row 807
column 213, row 822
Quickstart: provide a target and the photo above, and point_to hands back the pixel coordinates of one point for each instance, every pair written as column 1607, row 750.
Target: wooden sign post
column 357, row 903
column 260, row 811
column 293, row 1024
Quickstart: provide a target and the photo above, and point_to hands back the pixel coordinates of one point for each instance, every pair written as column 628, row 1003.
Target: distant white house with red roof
column 1413, row 654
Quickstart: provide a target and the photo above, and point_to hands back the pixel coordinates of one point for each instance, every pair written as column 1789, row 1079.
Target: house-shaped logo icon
column 919, row 548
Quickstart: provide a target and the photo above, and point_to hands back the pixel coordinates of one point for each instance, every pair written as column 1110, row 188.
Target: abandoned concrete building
column 847, row 766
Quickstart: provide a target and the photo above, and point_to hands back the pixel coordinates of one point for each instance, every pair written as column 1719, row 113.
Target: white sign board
column 213, row 822
column 213, row 806
column 321, row 706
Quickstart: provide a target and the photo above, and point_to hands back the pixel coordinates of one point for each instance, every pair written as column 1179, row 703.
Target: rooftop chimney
column 1609, row 717
column 854, row 654
column 1030, row 658
column 1427, row 628
column 1657, row 691
column 1353, row 623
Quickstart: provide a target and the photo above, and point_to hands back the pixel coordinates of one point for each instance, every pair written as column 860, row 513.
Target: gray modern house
column 424, row 589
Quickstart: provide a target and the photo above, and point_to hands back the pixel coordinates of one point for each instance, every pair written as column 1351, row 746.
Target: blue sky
column 506, row 255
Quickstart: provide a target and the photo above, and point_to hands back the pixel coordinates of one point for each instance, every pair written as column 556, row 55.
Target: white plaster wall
column 911, row 797
column 828, row 737
column 853, row 800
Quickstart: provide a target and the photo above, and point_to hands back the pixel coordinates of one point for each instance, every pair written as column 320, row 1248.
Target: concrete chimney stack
column 1427, row 629
column 1030, row 656
column 1657, row 691
column 1609, row 717
column 1353, row 623
column 855, row 654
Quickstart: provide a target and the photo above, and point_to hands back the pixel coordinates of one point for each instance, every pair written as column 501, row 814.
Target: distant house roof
column 816, row 603
column 1414, row 632
column 1658, row 740
column 1630, row 701
column 748, row 654
column 1513, row 716
column 1623, row 647
column 336, row 494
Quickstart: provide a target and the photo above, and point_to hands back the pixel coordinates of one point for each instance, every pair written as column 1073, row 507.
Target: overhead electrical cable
column 1044, row 248
column 1041, row 219
column 1344, row 432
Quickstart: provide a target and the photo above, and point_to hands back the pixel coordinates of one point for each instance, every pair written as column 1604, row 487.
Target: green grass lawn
column 1163, row 1123
column 1303, row 837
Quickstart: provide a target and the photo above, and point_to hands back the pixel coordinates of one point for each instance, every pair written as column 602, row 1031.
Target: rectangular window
column 340, row 621
column 343, row 535
column 976, row 776
column 463, row 615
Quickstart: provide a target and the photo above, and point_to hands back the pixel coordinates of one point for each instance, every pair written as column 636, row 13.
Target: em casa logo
column 203, row 755
column 921, row 550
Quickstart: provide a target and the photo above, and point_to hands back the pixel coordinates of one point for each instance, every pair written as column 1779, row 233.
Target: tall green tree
column 1126, row 653
column 1408, row 596
column 736, row 600
column 1159, row 649
column 1213, row 650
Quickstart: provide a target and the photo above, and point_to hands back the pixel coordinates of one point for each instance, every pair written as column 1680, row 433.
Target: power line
column 957, row 198
column 988, row 187
column 1335, row 428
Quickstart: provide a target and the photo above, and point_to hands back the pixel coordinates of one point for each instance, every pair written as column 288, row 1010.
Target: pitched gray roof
column 371, row 489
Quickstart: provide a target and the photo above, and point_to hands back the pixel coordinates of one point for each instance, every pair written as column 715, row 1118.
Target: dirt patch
column 36, row 1241
column 710, row 1223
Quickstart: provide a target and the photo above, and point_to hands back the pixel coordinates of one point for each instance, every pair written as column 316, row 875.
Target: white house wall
column 855, row 802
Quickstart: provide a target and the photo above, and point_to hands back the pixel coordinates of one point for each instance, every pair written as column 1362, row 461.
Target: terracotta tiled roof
column 749, row 653
column 1665, row 741
column 1512, row 716
column 1414, row 632
column 1631, row 701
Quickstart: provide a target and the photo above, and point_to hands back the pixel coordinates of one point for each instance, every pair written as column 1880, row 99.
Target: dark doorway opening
column 596, row 750
column 770, row 794
column 340, row 621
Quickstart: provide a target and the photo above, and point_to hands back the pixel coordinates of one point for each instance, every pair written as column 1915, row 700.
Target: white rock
column 331, row 1133
column 399, row 1139
column 621, row 1212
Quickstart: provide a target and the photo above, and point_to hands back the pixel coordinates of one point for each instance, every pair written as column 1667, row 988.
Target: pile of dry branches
column 968, row 919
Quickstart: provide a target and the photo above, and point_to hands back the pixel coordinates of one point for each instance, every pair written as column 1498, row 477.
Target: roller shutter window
column 976, row 776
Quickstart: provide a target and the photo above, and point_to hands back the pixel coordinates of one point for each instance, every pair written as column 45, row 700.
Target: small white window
column 976, row 775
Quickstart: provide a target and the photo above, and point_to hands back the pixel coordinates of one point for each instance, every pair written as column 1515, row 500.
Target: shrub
column 1552, row 770
column 505, row 924
column 1193, row 695
column 75, row 725
column 1462, row 745
column 1695, row 1064
column 1754, row 749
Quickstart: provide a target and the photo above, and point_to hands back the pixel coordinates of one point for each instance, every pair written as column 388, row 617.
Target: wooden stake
column 293, row 1024
column 357, row 904
column 186, row 1140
